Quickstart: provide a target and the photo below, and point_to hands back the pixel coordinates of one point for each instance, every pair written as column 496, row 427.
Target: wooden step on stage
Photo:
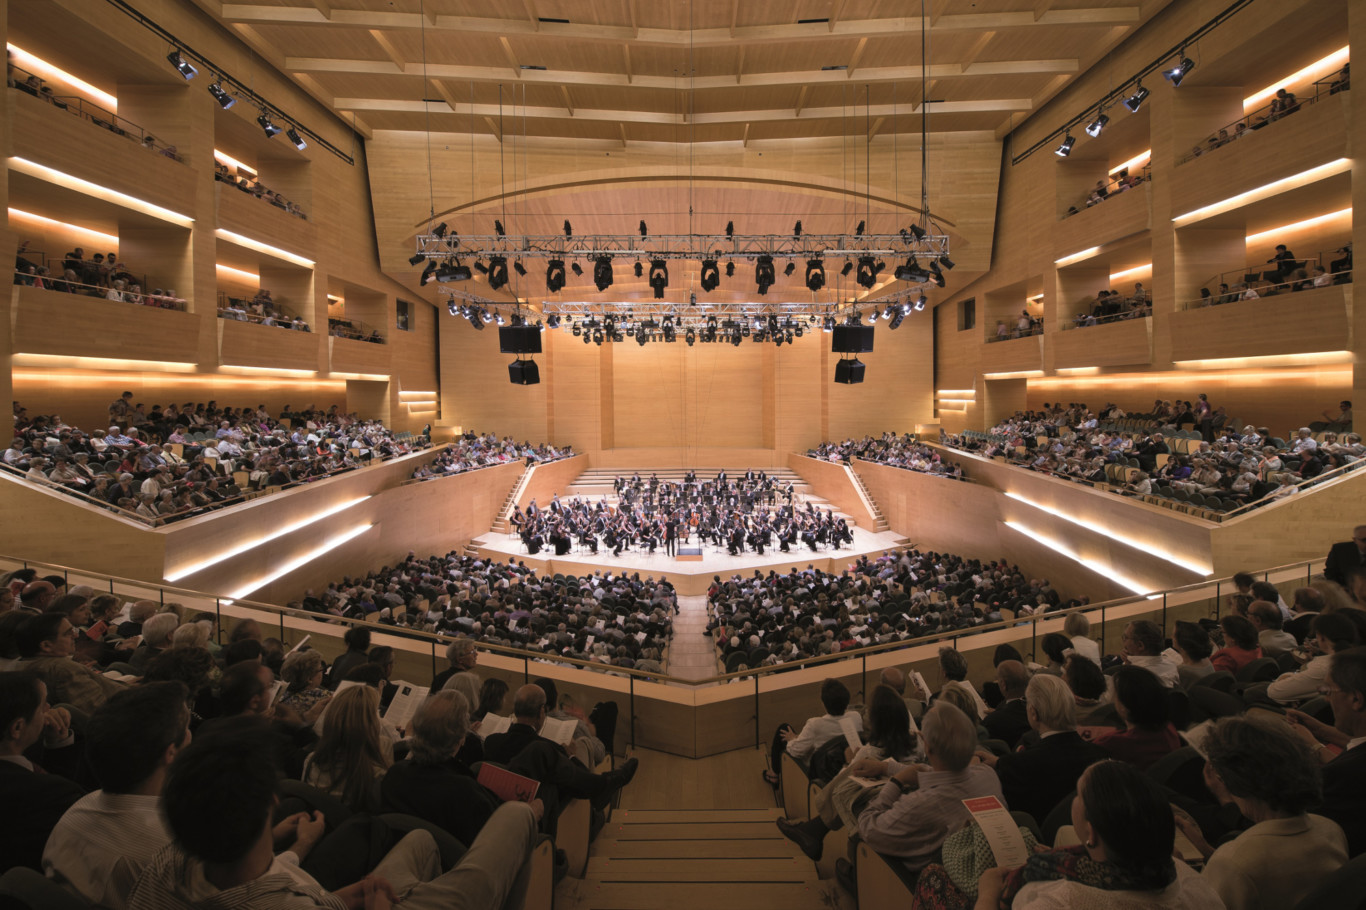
column 686, row 859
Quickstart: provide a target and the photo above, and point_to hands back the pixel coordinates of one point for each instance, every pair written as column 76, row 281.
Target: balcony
column 244, row 214
column 1126, row 342
column 1299, row 323
column 52, row 322
column 349, row 355
column 1114, row 219
column 249, row 344
column 1015, row 355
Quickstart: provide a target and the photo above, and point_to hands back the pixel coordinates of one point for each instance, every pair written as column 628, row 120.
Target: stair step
column 690, row 896
column 609, row 871
column 667, row 816
column 761, row 830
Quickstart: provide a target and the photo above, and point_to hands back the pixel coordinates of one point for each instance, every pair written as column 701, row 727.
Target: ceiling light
column 270, row 129
column 711, row 275
column 498, row 272
column 1062, row 151
column 576, row 268
column 946, row 262
column 292, row 134
column 453, row 271
column 815, row 274
column 918, row 231
column 439, row 231
column 1093, row 129
column 640, row 269
column 1178, row 72
column 764, row 275
column 797, row 230
column 848, row 266
column 791, row 267
column 659, row 275
column 730, row 269
column 414, row 260
column 182, row 65
column 912, row 272
column 224, row 99
column 1135, row 101
column 730, row 230
column 867, row 272
column 518, row 267
column 920, row 303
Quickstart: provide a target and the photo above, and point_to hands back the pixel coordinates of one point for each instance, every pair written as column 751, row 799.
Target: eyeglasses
column 1326, row 691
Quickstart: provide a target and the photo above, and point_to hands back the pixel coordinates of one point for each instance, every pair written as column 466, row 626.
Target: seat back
column 1263, row 669
column 1345, row 889
column 22, row 888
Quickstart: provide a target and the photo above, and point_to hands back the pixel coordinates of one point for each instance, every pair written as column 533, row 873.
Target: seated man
column 1010, row 720
column 99, row 847
column 1266, row 619
column 33, row 800
column 47, row 643
column 1344, row 774
column 1143, row 648
column 218, row 801
column 921, row 805
column 816, row 732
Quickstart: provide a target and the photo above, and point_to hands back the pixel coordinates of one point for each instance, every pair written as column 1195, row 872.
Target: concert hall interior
column 690, row 355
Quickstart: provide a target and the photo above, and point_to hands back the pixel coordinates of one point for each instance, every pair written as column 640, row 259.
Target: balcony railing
column 1261, row 117
column 243, row 309
column 61, row 285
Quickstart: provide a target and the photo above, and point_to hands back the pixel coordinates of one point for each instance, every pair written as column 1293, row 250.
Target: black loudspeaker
column 852, row 339
column 519, row 339
column 849, row 371
column 524, row 372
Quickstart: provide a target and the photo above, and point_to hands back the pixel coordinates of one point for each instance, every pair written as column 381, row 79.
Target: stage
column 689, row 576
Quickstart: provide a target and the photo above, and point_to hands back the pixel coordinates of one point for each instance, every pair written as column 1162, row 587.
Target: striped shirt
column 175, row 881
column 101, row 844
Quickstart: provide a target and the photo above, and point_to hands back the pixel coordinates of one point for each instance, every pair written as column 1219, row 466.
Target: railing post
column 1164, row 614
column 758, row 742
column 218, row 620
column 632, row 706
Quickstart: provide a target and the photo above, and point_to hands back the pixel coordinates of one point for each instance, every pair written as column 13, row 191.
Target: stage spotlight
column 269, row 128
column 867, row 272
column 858, row 231
column 1094, row 128
column 659, row 276
column 1065, row 149
column 764, row 276
column 895, row 322
column 498, row 228
column 576, row 331
column 690, row 337
column 450, row 306
column 415, row 259
column 640, row 338
column 1135, row 101
column 480, row 267
column 946, row 262
column 485, row 315
column 875, row 315
column 292, row 134
column 890, row 311
column 920, row 303
column 568, row 229
column 554, row 275
column 828, row 324
column 912, row 272
column 597, row 337
column 730, row 269
column 791, row 267
column 427, row 274
column 439, row 231
column 640, row 269
column 453, row 271
column 220, row 95
column 918, row 231
column 848, row 267
column 498, row 272
column 519, row 268
column 602, row 272
column 182, row 65
column 730, row 230
column 815, row 274
column 797, row 230
column 711, row 275
column 576, row 268
column 644, row 231
column 553, row 320
column 499, row 319
column 1178, row 72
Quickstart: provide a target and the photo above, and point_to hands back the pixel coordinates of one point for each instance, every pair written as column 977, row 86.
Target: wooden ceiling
column 682, row 72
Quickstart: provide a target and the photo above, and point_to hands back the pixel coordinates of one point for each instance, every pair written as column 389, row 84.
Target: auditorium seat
column 1343, row 890
column 22, row 888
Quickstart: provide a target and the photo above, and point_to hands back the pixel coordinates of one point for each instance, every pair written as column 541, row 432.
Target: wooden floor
column 698, row 834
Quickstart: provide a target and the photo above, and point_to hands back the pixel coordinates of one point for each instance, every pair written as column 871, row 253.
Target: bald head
column 894, row 678
column 38, row 594
column 1013, row 678
column 529, row 705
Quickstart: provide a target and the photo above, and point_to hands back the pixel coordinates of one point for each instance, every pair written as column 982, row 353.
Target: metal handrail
column 1265, row 119
column 1294, row 286
column 225, row 300
column 225, row 176
column 951, row 638
column 95, row 291
column 88, row 110
column 354, row 329
column 1145, row 173
column 1070, row 324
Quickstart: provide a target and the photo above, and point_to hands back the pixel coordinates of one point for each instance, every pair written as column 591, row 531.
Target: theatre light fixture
column 1094, row 128
column 293, row 136
column 220, row 95
column 183, row 66
column 1176, row 73
column 1135, row 101
column 270, row 129
column 1065, row 149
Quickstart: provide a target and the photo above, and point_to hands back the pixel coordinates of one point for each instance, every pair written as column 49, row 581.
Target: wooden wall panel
column 250, row 345
column 258, row 220
column 832, row 482
column 548, row 479
column 1014, row 355
column 50, row 322
column 348, row 355
column 1124, row 343
column 1128, row 214
column 1314, row 320
column 577, row 393
column 476, row 393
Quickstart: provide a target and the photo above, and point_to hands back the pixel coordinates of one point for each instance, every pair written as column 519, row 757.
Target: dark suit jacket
column 1342, row 558
column 33, row 802
column 446, row 795
column 1008, row 722
column 1036, row 779
column 504, row 747
column 1344, row 797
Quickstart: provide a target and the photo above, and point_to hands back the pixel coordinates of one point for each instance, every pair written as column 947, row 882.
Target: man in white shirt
column 1305, row 442
column 1274, row 640
column 102, row 842
column 1143, row 648
column 1077, row 627
column 817, row 731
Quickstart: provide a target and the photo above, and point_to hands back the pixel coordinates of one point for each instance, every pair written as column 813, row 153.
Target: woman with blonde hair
column 353, row 755
column 303, row 672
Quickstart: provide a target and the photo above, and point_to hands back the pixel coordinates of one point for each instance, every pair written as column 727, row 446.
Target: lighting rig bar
column 681, row 246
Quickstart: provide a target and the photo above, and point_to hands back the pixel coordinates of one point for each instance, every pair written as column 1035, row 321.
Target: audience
column 471, row 452
column 249, row 184
column 34, row 797
column 890, row 449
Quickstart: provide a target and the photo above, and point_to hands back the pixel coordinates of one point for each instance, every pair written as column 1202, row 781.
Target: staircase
column 879, row 523
column 686, row 859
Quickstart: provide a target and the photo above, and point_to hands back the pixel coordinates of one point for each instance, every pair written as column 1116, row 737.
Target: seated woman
column 1127, row 832
column 1142, row 703
column 302, row 672
column 1240, row 644
column 1271, row 776
column 352, row 755
column 837, row 804
column 1192, row 642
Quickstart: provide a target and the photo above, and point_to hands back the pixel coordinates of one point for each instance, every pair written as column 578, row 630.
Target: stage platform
column 689, row 576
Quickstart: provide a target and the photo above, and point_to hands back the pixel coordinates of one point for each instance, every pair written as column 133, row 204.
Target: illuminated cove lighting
column 266, row 248
column 58, row 178
column 330, row 544
column 1316, row 70
column 1077, row 257
column 40, row 67
column 192, row 568
column 1145, row 546
column 1317, row 220
column 1099, row 568
column 1140, row 158
column 107, row 240
column 1294, row 181
column 238, row 273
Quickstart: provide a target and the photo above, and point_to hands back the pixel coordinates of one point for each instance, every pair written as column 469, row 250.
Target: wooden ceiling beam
column 836, row 8
column 854, row 59
column 801, row 100
column 734, row 16
column 324, row 7
column 493, row 128
column 706, row 37
column 445, row 92
column 532, row 15
column 635, row 18
column 388, row 47
column 511, row 57
column 739, row 63
column 744, row 138
column 622, row 127
column 876, row 127
column 568, row 102
column 619, row 79
column 975, row 50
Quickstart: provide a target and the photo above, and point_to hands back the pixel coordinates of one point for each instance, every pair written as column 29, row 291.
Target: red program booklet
column 507, row 786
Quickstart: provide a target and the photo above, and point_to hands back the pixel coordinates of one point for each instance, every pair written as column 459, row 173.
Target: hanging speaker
column 852, row 339
column 524, row 372
column 519, row 339
column 849, row 372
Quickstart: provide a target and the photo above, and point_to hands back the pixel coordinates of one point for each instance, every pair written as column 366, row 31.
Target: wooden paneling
column 832, row 482
column 1296, row 528
column 1313, row 320
column 258, row 220
column 1114, row 219
column 250, row 345
column 348, row 355
column 50, row 322
column 678, row 457
column 1014, row 355
column 1124, row 343
column 548, row 479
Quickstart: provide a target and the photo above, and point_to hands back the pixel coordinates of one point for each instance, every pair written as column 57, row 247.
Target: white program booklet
column 494, row 723
column 404, row 704
column 1007, row 845
column 559, row 731
column 849, row 725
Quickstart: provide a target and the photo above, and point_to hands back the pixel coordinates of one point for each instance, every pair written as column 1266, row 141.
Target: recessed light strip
column 266, row 248
column 193, row 568
column 323, row 548
column 1294, row 181
column 62, row 361
column 1099, row 568
column 1077, row 257
column 239, row 273
column 1321, row 67
column 42, row 68
column 59, row 178
column 106, row 240
column 1145, row 546
column 1278, row 232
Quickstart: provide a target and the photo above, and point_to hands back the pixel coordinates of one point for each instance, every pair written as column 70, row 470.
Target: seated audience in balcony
column 889, row 449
